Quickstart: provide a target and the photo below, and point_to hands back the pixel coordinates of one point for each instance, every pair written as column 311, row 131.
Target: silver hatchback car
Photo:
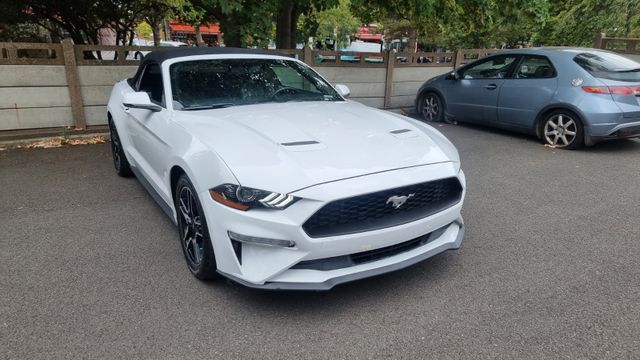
column 568, row 97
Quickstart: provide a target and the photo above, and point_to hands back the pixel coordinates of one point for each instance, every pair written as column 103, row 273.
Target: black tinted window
column 534, row 67
column 245, row 81
column 494, row 68
column 609, row 66
column 151, row 83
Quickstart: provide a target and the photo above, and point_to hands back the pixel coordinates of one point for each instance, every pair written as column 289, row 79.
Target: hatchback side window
column 494, row 68
column 535, row 67
column 151, row 83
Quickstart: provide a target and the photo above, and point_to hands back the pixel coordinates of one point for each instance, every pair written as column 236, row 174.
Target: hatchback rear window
column 606, row 65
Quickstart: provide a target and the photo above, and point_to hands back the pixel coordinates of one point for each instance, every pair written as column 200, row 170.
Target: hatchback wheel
column 432, row 109
column 193, row 231
column 119, row 159
column 563, row 129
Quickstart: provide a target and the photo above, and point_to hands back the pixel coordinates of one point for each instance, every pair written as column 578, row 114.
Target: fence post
column 306, row 55
column 390, row 60
column 459, row 58
column 73, row 83
column 597, row 42
column 12, row 51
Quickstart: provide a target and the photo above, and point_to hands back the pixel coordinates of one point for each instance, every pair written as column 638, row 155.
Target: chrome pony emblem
column 397, row 201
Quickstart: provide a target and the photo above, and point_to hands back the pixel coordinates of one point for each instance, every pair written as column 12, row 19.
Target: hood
column 285, row 147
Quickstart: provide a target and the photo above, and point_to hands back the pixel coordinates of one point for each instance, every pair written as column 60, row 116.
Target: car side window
column 535, row 67
column 151, row 83
column 496, row 67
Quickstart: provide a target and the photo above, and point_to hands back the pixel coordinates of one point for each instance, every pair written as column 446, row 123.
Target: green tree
column 336, row 22
column 404, row 18
column 576, row 22
column 155, row 12
column 521, row 22
column 288, row 13
column 81, row 19
column 243, row 22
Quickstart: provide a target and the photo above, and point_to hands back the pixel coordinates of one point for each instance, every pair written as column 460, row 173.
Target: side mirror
column 343, row 90
column 453, row 76
column 139, row 100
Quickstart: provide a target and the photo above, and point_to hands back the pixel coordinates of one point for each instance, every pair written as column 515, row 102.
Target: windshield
column 201, row 84
column 606, row 65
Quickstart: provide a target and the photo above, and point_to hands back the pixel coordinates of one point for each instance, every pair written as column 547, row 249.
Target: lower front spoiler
column 330, row 283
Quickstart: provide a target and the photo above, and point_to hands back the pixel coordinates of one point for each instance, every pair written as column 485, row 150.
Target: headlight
column 245, row 198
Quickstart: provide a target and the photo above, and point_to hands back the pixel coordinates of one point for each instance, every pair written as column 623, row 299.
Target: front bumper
column 267, row 267
column 449, row 239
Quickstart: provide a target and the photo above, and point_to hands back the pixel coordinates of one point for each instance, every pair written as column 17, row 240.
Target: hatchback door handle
column 491, row 87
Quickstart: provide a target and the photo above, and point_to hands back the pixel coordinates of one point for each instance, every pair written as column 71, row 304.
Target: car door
column 527, row 92
column 149, row 131
column 473, row 97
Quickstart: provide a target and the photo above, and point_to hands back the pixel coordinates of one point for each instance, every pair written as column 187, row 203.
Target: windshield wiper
column 210, row 106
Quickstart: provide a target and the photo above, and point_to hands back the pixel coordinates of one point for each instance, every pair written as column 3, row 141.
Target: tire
column 120, row 161
column 193, row 232
column 562, row 129
column 431, row 107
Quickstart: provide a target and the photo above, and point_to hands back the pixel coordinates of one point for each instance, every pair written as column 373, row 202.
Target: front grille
column 377, row 211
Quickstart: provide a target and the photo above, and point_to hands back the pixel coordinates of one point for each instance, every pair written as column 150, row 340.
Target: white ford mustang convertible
column 274, row 179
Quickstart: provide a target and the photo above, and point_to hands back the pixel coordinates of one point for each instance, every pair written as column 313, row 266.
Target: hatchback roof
column 553, row 50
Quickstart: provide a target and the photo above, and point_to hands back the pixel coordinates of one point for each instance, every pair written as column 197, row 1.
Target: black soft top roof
column 161, row 55
column 158, row 56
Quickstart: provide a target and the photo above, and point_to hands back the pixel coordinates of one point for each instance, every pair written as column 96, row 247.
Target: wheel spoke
column 560, row 121
column 184, row 211
column 190, row 201
column 555, row 140
column 197, row 255
column 564, row 140
column 552, row 124
column 569, row 123
column 549, row 133
column 571, row 133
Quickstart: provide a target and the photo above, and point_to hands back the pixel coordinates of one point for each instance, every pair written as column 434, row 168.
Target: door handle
column 491, row 87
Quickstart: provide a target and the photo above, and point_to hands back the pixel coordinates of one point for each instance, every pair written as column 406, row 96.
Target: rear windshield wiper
column 629, row 70
column 210, row 106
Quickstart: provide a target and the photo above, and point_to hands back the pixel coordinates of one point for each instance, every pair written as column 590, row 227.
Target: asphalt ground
column 549, row 269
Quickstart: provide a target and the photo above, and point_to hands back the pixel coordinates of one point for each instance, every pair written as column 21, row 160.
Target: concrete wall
column 406, row 82
column 95, row 85
column 366, row 84
column 635, row 57
column 34, row 96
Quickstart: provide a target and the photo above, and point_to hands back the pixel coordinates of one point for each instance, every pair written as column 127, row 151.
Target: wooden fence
column 67, row 85
column 629, row 46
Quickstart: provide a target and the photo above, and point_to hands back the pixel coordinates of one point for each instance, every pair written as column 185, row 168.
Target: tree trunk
column 412, row 45
column 155, row 29
column 283, row 25
column 293, row 26
column 231, row 31
column 198, row 34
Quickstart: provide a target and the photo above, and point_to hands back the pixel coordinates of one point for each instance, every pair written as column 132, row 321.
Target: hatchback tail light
column 615, row 90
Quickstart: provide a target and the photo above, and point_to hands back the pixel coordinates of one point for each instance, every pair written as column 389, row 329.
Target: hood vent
column 400, row 131
column 308, row 145
column 403, row 133
column 299, row 143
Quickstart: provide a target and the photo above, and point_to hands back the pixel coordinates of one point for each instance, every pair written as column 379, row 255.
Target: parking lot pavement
column 92, row 268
